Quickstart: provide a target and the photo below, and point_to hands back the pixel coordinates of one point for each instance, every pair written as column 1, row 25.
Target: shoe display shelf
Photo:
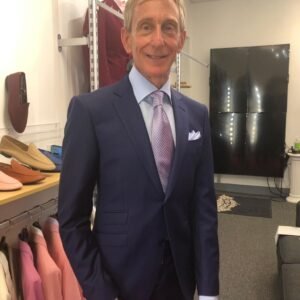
column 15, row 203
column 50, row 181
column 20, row 209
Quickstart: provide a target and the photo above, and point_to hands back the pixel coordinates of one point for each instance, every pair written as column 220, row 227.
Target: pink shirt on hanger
column 31, row 280
column 48, row 270
column 70, row 286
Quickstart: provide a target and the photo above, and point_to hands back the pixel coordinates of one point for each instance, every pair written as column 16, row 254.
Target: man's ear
column 126, row 40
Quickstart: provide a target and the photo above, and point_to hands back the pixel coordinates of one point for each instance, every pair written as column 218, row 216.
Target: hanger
column 37, row 225
column 54, row 216
column 121, row 4
column 3, row 243
column 4, row 246
column 24, row 235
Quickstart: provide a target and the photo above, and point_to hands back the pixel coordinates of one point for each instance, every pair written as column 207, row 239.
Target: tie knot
column 157, row 98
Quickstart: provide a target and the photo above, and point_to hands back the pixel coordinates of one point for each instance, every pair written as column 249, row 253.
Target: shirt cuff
column 208, row 297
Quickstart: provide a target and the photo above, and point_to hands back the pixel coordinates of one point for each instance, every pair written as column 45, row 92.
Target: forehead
column 155, row 9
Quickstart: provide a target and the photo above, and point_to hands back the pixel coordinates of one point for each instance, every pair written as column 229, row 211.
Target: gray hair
column 131, row 4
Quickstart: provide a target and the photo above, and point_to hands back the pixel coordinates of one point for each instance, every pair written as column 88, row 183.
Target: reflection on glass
column 248, row 103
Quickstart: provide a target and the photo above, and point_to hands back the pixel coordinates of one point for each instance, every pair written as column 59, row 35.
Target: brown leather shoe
column 17, row 100
column 21, row 173
column 26, row 154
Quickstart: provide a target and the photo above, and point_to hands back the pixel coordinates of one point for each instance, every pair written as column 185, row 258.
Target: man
column 149, row 152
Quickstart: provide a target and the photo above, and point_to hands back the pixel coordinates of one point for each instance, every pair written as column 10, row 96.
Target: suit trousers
column 167, row 286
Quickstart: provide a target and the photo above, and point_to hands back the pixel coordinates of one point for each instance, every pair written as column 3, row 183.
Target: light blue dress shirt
column 142, row 88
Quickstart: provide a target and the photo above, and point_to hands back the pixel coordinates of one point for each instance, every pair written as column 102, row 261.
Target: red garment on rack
column 46, row 267
column 31, row 280
column 113, row 58
column 70, row 286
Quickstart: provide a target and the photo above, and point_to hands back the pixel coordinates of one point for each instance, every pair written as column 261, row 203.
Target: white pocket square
column 194, row 135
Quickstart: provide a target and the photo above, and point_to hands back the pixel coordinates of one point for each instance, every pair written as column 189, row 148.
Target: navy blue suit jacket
column 106, row 143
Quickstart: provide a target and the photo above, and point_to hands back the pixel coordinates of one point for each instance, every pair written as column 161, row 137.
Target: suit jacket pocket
column 111, row 228
column 194, row 149
column 114, row 240
column 113, row 218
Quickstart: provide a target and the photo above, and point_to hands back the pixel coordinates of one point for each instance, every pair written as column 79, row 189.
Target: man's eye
column 145, row 27
column 170, row 28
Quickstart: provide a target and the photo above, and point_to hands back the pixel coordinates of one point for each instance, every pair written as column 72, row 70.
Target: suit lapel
column 131, row 116
column 182, row 129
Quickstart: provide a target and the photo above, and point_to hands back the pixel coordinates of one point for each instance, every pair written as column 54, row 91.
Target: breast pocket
column 111, row 228
column 194, row 148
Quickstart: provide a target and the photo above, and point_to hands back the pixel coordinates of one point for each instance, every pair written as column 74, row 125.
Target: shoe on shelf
column 22, row 173
column 8, row 183
column 56, row 150
column 55, row 159
column 26, row 154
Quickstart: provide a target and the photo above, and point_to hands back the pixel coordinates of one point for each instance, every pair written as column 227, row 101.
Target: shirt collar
column 143, row 87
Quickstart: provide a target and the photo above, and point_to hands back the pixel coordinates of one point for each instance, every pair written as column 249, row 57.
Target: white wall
column 28, row 30
column 236, row 23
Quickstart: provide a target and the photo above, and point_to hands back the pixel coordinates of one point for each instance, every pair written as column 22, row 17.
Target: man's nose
column 157, row 37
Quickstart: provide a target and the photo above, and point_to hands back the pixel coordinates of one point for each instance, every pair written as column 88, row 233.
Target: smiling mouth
column 156, row 57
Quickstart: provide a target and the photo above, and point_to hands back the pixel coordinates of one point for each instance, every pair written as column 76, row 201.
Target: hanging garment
column 113, row 58
column 4, row 293
column 46, row 267
column 31, row 280
column 70, row 286
column 7, row 290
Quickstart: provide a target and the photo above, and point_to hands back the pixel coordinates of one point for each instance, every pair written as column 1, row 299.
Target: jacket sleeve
column 77, row 182
column 205, row 220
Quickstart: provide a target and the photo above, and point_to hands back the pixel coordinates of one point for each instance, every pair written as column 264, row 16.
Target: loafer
column 8, row 183
column 21, row 173
column 56, row 150
column 15, row 85
column 26, row 154
column 55, row 159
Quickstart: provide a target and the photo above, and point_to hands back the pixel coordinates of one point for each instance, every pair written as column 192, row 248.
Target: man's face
column 155, row 38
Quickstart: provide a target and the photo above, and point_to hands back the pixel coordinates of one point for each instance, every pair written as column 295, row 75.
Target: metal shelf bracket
column 80, row 41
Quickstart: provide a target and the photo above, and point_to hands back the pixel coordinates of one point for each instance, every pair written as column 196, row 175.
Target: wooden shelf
column 51, row 180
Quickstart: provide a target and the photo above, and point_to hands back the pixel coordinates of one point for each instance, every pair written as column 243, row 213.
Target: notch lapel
column 131, row 116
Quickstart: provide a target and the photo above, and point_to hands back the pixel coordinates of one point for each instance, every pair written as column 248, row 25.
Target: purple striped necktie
column 161, row 139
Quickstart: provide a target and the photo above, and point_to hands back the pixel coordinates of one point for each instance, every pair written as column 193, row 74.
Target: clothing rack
column 111, row 10
column 12, row 226
column 92, row 42
column 29, row 216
